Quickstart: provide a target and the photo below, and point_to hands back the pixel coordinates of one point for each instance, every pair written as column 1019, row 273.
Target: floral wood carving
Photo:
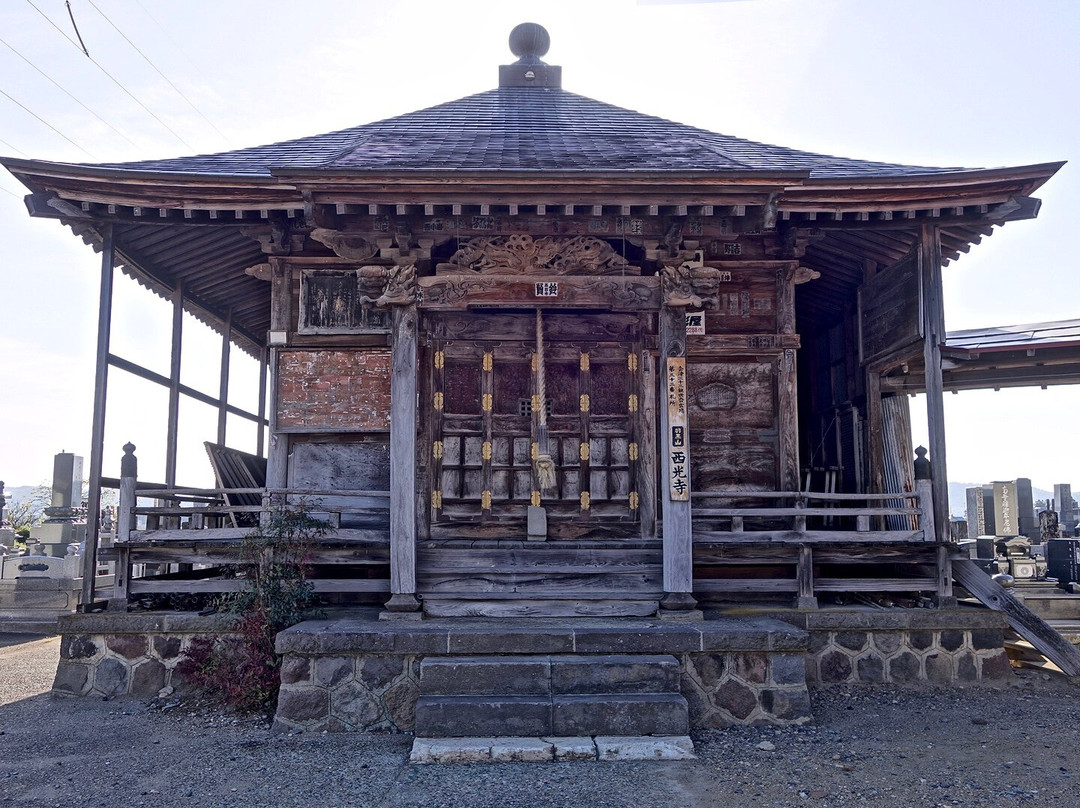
column 689, row 286
column 355, row 248
column 521, row 254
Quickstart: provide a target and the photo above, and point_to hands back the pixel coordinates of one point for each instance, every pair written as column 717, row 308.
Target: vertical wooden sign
column 679, row 433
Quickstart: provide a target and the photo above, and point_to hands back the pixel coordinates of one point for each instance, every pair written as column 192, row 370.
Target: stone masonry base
column 362, row 674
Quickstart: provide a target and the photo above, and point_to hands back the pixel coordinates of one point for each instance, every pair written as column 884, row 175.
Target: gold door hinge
column 440, row 360
column 632, row 402
column 584, row 362
column 631, row 362
column 585, row 500
column 437, row 450
column 534, row 451
column 437, row 402
column 632, row 451
column 485, row 402
column 583, row 451
column 584, row 402
column 485, row 500
column 485, row 450
column 436, row 500
column 489, row 362
column 534, row 500
column 634, row 500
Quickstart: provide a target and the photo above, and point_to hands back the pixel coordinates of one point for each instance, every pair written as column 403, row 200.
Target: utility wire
column 65, row 92
column 156, row 69
column 65, row 137
column 14, row 149
column 10, row 193
column 110, row 76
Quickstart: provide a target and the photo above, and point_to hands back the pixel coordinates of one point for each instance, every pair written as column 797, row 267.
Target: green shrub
column 243, row 670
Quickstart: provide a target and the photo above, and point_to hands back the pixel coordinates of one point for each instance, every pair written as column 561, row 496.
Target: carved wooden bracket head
column 344, row 245
column 388, row 286
column 685, row 284
column 805, row 275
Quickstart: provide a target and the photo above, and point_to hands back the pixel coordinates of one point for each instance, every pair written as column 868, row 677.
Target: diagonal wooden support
column 1024, row 621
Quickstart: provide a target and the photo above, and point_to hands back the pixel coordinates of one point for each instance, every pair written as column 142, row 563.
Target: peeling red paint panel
column 346, row 390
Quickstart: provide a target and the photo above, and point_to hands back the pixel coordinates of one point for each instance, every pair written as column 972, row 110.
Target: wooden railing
column 807, row 516
column 190, row 539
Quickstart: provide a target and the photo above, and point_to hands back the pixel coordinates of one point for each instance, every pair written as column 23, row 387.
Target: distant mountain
column 958, row 497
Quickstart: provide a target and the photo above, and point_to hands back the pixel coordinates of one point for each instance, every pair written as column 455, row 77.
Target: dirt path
column 997, row 747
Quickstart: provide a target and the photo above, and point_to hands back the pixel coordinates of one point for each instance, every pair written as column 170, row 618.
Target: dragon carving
column 521, row 254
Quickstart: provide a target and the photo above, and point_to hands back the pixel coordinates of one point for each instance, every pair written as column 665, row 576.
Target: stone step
column 564, row 715
column 574, row 604
column 527, row 675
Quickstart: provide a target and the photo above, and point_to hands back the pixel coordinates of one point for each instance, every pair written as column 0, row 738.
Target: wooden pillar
column 277, row 455
column 875, row 428
column 97, row 432
column 174, row 385
column 804, row 572
column 125, row 523
column 678, row 537
column 223, row 386
column 787, row 380
column 934, row 338
column 260, row 439
column 403, row 406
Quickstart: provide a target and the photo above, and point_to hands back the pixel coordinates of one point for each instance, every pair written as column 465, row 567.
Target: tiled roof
column 525, row 129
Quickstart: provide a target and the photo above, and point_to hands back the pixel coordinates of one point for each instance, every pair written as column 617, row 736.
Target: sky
column 976, row 83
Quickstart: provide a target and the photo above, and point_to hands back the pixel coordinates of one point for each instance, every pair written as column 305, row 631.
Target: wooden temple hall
column 532, row 354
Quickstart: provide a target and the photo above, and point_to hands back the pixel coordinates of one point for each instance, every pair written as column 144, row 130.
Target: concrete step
column 527, row 675
column 563, row 715
column 550, row 694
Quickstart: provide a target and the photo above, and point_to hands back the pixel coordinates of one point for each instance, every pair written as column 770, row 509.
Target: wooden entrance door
column 485, row 422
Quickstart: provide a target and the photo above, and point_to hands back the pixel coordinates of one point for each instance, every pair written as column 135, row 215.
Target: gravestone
column 1014, row 509
column 64, row 520
column 1067, row 513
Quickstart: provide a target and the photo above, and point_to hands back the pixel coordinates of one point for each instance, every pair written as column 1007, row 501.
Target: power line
column 65, row 137
column 110, row 76
column 65, row 92
column 14, row 148
column 156, row 69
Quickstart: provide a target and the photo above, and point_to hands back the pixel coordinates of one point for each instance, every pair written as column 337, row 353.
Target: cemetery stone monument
column 64, row 523
column 1014, row 509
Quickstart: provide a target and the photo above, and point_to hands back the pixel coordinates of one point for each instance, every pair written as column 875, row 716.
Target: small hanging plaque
column 695, row 323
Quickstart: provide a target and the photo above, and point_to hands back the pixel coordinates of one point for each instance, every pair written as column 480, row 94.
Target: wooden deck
column 745, row 545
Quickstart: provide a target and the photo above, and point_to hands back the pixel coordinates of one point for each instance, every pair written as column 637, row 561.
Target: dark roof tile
column 525, row 129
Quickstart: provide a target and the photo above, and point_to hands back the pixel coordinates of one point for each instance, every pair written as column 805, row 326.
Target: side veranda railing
column 171, row 541
column 805, row 543
column 188, row 541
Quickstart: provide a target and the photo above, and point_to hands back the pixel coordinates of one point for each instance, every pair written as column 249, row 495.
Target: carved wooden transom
column 522, row 254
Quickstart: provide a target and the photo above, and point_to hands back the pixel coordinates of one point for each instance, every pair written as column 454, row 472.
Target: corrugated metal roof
column 1013, row 337
column 526, row 129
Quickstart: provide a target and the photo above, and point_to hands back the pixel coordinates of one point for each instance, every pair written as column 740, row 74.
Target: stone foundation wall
column 918, row 646
column 746, row 687
column 356, row 693
column 378, row 692
column 121, row 655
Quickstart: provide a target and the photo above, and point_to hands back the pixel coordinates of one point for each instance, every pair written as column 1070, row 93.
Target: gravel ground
column 1008, row 745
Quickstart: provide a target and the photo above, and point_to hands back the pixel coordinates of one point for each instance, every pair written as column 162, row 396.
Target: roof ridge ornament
column 529, row 41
